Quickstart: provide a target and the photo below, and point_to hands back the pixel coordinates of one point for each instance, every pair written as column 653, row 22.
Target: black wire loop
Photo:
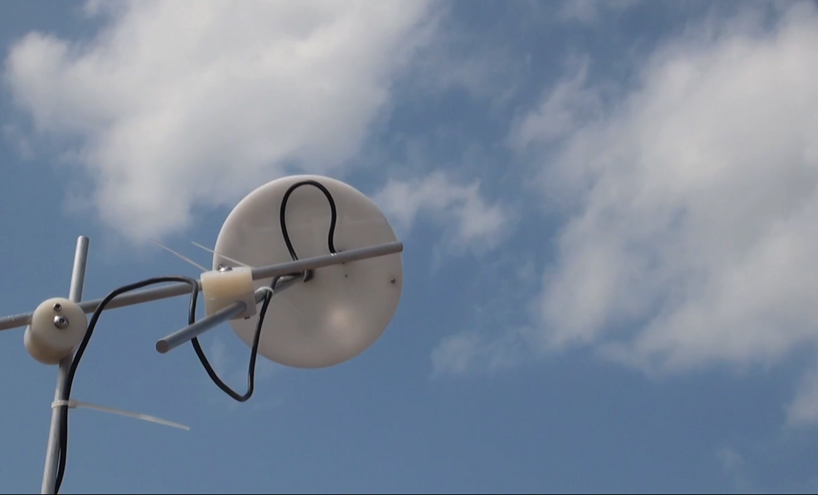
column 283, row 217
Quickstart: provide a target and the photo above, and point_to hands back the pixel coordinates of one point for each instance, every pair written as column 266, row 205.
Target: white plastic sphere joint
column 56, row 329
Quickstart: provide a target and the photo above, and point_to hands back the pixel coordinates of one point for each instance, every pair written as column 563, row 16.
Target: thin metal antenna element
column 186, row 334
column 181, row 256
column 217, row 254
column 259, row 273
column 74, row 294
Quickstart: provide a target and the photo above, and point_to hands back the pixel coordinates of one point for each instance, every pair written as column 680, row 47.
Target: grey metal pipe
column 180, row 289
column 186, row 334
column 78, row 273
column 327, row 260
column 74, row 294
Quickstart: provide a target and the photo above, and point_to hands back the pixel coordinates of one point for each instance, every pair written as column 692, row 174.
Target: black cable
column 194, row 296
column 65, row 393
column 251, row 373
column 283, row 217
column 257, row 336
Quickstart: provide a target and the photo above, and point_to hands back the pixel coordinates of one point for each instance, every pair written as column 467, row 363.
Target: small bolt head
column 223, row 268
column 392, row 281
column 57, row 307
column 61, row 321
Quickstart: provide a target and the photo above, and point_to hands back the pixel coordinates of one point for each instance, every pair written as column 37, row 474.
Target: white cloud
column 475, row 223
column 478, row 348
column 588, row 11
column 732, row 462
column 568, row 104
column 730, row 458
column 456, row 354
column 18, row 141
column 466, row 352
column 170, row 114
column 692, row 205
column 804, row 409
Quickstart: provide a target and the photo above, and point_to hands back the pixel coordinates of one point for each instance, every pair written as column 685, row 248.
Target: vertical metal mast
column 74, row 294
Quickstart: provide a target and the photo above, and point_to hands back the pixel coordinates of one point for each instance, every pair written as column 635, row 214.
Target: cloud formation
column 589, row 11
column 693, row 202
column 474, row 222
column 165, row 115
column 471, row 352
column 804, row 409
column 567, row 106
column 689, row 203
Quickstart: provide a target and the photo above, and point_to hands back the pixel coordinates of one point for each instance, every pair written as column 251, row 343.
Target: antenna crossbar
column 260, row 273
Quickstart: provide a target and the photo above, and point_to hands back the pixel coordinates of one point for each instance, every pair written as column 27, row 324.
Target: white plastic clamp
column 223, row 288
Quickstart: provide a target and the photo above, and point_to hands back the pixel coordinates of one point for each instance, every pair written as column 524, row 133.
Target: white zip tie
column 267, row 289
column 73, row 404
column 223, row 256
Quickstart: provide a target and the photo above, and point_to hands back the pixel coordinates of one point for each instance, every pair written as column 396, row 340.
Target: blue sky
column 608, row 210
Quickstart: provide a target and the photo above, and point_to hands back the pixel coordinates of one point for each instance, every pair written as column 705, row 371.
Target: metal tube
column 129, row 299
column 327, row 260
column 78, row 274
column 260, row 273
column 186, row 334
column 74, row 294
column 136, row 297
column 284, row 283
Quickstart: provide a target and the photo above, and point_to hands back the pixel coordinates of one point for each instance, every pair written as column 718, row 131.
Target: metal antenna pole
column 74, row 294
column 260, row 273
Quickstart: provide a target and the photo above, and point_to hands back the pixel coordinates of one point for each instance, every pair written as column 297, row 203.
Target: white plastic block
column 222, row 289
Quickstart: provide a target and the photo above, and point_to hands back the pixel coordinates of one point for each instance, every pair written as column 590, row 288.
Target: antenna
column 351, row 304
column 179, row 255
column 319, row 255
column 214, row 252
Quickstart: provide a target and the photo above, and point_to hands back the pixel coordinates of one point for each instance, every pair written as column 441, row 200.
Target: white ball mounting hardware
column 56, row 329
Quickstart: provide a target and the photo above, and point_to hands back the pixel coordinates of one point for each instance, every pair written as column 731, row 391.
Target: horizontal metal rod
column 186, row 334
column 326, row 260
column 129, row 299
column 180, row 289
column 207, row 323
